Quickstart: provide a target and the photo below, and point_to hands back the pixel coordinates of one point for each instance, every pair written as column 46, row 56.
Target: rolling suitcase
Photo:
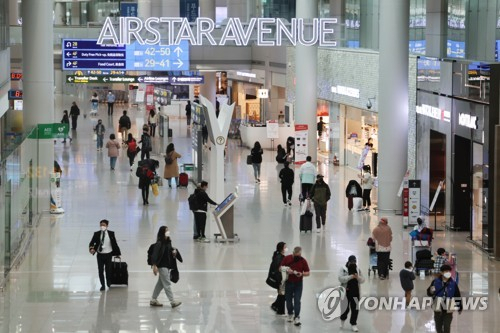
column 349, row 202
column 183, row 179
column 357, row 204
column 119, row 272
column 306, row 222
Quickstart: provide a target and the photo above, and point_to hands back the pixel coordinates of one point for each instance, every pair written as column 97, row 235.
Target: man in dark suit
column 104, row 244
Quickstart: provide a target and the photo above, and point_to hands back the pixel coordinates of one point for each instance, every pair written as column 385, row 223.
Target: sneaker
column 258, row 180
column 154, row 302
column 318, row 230
column 289, row 203
column 342, row 324
column 204, row 240
column 296, row 321
column 290, row 318
column 355, row 328
column 175, row 304
column 286, row 205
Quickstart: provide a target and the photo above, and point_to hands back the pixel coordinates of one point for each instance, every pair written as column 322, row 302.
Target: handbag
column 94, row 137
column 155, row 189
column 174, row 275
column 249, row 159
column 272, row 282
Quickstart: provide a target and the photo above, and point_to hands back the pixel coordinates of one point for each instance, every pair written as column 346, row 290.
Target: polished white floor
column 56, row 288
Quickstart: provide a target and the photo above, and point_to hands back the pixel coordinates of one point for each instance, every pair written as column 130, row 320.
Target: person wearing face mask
column 406, row 277
column 420, row 224
column 274, row 273
column 446, row 295
column 350, row 278
column 104, row 244
column 297, row 269
column 163, row 259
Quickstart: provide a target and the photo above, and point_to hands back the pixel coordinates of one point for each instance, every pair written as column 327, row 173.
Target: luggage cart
column 419, row 245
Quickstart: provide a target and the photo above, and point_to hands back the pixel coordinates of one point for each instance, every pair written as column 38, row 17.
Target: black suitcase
column 119, row 272
column 423, row 254
column 306, row 222
column 424, row 264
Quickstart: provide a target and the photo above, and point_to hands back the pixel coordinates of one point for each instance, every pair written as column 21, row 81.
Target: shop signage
column 268, row 31
column 272, row 127
column 263, row 93
column 189, row 9
column 18, row 105
column 173, row 80
column 346, row 91
column 467, row 120
column 434, row 112
column 413, row 201
column 301, row 143
column 52, row 131
column 128, row 8
column 244, row 74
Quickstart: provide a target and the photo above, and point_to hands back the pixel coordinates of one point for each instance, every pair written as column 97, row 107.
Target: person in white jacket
column 307, row 176
column 350, row 278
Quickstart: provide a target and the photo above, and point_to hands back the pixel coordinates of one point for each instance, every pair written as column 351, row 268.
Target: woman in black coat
column 281, row 155
column 256, row 153
column 353, row 190
column 275, row 274
column 146, row 173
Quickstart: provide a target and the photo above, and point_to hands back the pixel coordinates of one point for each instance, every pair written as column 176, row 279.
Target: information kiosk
column 224, row 217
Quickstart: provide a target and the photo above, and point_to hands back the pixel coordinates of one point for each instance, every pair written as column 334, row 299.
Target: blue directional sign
column 86, row 54
column 128, row 9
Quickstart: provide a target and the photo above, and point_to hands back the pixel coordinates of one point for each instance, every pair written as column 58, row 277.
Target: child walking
column 406, row 276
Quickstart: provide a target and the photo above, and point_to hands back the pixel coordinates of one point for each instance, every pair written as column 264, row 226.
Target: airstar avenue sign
column 174, row 30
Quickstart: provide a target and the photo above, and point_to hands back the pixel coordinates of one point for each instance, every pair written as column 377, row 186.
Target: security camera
column 369, row 105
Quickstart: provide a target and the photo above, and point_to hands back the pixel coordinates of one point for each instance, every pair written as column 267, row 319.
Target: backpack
column 193, row 202
column 150, row 254
column 146, row 143
column 132, row 146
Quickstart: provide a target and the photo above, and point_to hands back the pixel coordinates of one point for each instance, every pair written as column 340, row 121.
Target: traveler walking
column 146, row 170
column 111, row 102
column 74, row 112
column 124, row 125
column 146, row 142
column 95, row 103
column 446, row 295
column 350, row 278
column 99, row 130
column 281, row 155
column 296, row 267
column 320, row 127
column 382, row 235
column 163, row 259
column 104, row 243
column 200, row 214
column 188, row 113
column 171, row 166
column 307, row 176
column 439, row 260
column 256, row 154
column 320, row 195
column 65, row 120
column 131, row 149
column 113, row 151
column 406, row 277
column 287, row 177
column 366, row 184
column 275, row 277
column 152, row 122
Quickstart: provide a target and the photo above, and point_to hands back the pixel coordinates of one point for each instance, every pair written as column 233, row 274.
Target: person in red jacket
column 296, row 267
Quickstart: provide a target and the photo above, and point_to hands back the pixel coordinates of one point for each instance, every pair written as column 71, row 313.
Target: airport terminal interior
column 425, row 97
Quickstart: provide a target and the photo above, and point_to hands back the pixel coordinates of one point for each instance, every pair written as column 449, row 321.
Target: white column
column 144, row 8
column 13, row 12
column 38, row 82
column 306, row 88
column 75, row 13
column 393, row 101
column 436, row 31
column 170, row 8
column 60, row 13
column 209, row 88
column 207, row 9
column 237, row 8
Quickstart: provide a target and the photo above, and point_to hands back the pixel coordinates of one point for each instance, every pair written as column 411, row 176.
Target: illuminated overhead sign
column 88, row 54
column 346, row 91
column 245, row 74
column 467, row 120
column 433, row 112
column 175, row 30
column 15, row 94
column 172, row 80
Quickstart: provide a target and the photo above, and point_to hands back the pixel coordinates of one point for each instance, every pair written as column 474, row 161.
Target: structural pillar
column 237, row 8
column 369, row 21
column 208, row 90
column 393, row 101
column 144, row 8
column 60, row 13
column 38, row 83
column 170, row 8
column 75, row 13
column 337, row 10
column 305, row 78
column 436, row 31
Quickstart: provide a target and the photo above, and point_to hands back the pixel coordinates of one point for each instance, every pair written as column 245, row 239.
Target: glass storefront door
column 479, row 195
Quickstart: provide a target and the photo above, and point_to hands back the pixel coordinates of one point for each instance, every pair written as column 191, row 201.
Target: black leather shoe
column 102, row 288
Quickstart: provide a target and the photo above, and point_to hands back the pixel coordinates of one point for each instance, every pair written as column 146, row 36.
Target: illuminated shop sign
column 245, row 74
column 174, row 30
column 434, row 112
column 467, row 120
column 346, row 91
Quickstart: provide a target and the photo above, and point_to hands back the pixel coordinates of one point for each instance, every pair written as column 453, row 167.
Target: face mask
column 167, row 233
column 419, row 222
column 103, row 228
column 286, row 250
column 447, row 275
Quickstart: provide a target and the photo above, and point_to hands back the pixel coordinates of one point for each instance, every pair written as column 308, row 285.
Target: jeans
column 110, row 108
column 293, row 294
column 100, row 141
column 124, row 132
column 152, row 129
column 383, row 263
column 320, row 214
column 443, row 321
column 353, row 306
column 112, row 162
column 163, row 283
column 104, row 264
column 367, row 202
column 284, row 190
column 256, row 170
column 94, row 106
column 201, row 221
column 306, row 189
column 176, row 181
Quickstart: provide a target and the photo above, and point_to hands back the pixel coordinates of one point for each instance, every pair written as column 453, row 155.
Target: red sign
column 406, row 201
column 16, row 76
column 301, row 127
column 150, row 97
